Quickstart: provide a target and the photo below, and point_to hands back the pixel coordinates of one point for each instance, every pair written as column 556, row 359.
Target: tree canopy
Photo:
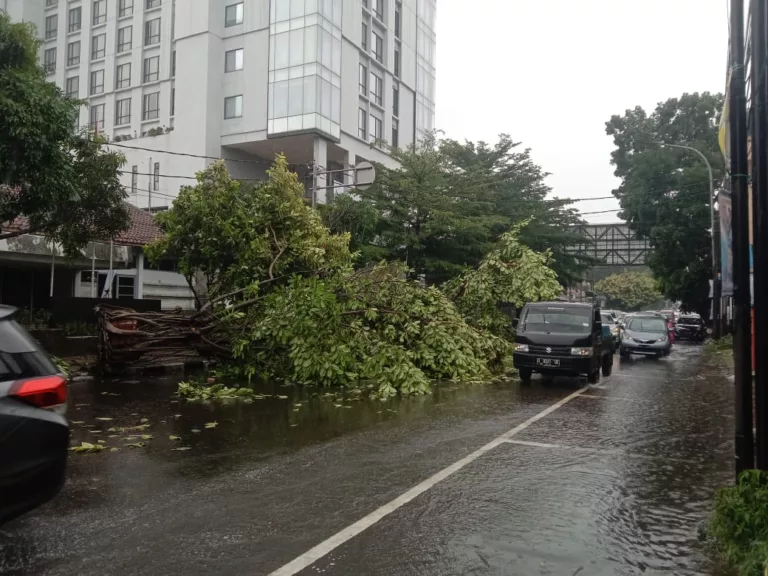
column 629, row 291
column 449, row 202
column 65, row 185
column 284, row 300
column 664, row 191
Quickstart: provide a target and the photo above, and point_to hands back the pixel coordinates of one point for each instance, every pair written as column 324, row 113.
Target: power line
column 189, row 155
column 126, row 173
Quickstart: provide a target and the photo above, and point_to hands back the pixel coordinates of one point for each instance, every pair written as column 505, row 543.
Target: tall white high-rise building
column 176, row 83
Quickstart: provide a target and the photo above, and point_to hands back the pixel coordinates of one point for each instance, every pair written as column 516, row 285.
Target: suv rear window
column 20, row 356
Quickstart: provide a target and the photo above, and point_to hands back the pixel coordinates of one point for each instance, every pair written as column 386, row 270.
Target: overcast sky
column 551, row 72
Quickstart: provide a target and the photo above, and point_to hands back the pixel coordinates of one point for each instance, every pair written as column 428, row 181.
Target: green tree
column 664, row 192
column 65, row 185
column 285, row 301
column 510, row 273
column 449, row 202
column 628, row 291
column 507, row 177
column 434, row 218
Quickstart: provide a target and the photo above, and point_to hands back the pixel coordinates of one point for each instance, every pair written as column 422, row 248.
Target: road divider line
column 603, row 451
column 324, row 548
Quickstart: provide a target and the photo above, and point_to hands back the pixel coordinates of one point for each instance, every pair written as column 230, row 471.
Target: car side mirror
column 515, row 322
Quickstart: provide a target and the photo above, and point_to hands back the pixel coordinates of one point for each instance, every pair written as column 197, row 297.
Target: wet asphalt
column 617, row 480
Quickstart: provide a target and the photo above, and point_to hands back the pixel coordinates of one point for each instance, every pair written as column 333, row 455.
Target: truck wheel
column 594, row 378
column 525, row 375
column 607, row 365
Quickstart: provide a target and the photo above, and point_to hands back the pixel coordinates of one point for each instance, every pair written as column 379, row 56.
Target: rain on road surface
column 613, row 479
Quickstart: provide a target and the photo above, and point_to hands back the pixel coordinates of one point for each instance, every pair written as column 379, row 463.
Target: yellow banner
column 723, row 135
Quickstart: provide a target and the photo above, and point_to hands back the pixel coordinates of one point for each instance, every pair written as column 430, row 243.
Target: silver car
column 645, row 334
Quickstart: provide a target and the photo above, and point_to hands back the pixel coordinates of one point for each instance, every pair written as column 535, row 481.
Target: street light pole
column 715, row 227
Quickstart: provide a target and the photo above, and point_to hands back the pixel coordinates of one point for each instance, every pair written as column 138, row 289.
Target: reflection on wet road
column 614, row 481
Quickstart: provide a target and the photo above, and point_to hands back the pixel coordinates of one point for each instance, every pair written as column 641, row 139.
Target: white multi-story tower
column 319, row 80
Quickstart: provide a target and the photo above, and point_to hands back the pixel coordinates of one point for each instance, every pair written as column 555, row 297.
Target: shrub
column 739, row 524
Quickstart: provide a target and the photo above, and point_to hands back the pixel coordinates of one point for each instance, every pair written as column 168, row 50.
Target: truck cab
column 562, row 339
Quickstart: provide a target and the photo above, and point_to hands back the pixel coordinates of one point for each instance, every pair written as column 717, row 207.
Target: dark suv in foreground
column 562, row 339
column 34, row 433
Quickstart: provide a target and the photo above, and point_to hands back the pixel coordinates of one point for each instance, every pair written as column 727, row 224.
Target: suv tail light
column 44, row 392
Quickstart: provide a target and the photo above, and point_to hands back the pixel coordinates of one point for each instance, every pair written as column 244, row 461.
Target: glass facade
column 305, row 66
column 425, row 68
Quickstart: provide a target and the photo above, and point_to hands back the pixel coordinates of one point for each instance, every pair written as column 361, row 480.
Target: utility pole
column 741, row 290
column 760, row 225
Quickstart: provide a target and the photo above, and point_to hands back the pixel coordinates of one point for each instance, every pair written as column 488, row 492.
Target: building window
column 398, row 19
column 363, row 80
column 123, row 76
column 377, row 88
column 150, row 109
column 376, row 126
column 98, row 46
column 124, row 39
column 156, row 177
column 125, row 8
column 233, row 60
column 97, row 82
column 152, row 32
column 134, row 179
column 395, row 101
column 153, row 4
column 233, row 14
column 73, row 53
column 49, row 3
column 364, row 39
column 378, row 47
column 397, row 61
column 73, row 87
column 49, row 60
column 51, row 26
column 75, row 21
column 99, row 12
column 152, row 69
column 97, row 117
column 362, row 123
column 233, row 107
column 378, row 9
column 123, row 112
column 173, row 64
column 173, row 101
column 395, row 132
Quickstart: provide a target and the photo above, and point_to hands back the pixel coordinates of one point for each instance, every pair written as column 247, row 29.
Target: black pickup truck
column 562, row 339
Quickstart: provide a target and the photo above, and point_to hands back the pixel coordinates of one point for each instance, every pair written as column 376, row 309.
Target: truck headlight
column 521, row 347
column 581, row 351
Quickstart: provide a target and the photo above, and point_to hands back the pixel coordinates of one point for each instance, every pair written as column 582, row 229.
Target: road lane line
column 314, row 554
column 603, row 451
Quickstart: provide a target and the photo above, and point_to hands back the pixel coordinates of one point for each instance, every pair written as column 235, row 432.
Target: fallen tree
column 284, row 301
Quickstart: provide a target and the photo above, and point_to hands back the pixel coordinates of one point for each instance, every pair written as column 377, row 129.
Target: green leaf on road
column 211, row 424
column 172, row 437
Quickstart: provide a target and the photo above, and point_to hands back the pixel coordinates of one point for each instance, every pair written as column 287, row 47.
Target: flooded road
column 612, row 479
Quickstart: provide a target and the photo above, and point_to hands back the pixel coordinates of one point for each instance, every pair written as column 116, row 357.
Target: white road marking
column 602, row 451
column 314, row 554
column 607, row 397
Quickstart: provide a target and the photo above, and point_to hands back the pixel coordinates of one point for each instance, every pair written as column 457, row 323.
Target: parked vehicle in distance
column 645, row 334
column 562, row 339
column 34, row 432
column 613, row 324
column 691, row 327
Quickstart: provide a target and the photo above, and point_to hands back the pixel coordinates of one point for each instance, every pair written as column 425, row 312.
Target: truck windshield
column 568, row 320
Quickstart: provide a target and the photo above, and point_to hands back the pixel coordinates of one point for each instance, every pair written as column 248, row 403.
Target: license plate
column 548, row 361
